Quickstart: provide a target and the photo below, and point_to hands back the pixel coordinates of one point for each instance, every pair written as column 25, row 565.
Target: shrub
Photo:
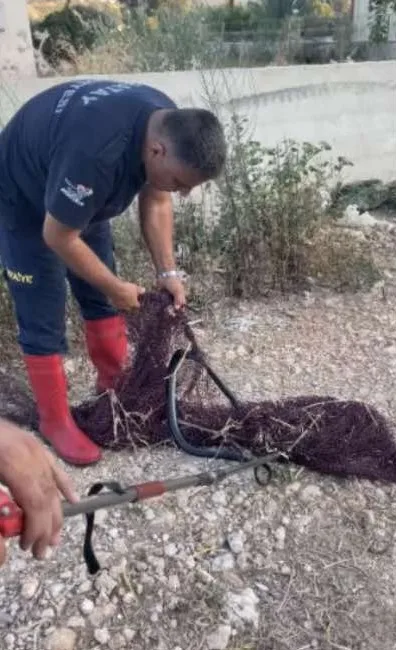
column 68, row 33
column 171, row 39
column 271, row 202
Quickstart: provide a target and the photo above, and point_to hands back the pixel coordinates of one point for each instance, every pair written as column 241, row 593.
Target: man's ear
column 157, row 149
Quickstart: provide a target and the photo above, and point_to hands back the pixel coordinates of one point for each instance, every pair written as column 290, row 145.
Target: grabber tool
column 11, row 516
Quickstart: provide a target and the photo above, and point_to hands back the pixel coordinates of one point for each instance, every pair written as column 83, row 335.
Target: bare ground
column 307, row 562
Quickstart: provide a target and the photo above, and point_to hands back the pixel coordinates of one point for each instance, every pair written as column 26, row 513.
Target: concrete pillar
column 16, row 49
column 361, row 27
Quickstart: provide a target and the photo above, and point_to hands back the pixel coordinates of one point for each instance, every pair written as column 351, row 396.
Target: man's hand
column 126, row 296
column 35, row 482
column 176, row 288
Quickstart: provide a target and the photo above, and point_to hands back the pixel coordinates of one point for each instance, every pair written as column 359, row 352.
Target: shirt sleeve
column 77, row 187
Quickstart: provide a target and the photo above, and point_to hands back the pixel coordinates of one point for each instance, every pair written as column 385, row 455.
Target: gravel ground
column 306, row 563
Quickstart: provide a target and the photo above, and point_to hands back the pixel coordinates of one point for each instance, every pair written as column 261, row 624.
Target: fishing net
column 331, row 436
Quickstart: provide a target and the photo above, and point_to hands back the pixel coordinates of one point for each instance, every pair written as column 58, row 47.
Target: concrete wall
column 352, row 106
column 16, row 51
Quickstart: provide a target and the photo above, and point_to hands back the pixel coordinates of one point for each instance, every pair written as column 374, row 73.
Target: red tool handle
column 11, row 516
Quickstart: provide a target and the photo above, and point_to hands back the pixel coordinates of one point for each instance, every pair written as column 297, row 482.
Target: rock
column 128, row 598
column 223, row 562
column 205, row 577
column 97, row 617
column 18, row 565
column 57, row 589
column 76, row 621
column 311, row 492
column 174, row 582
column 119, row 643
column 270, row 509
column 86, row 585
column 104, row 582
column 219, row 498
column 190, row 562
column 149, row 514
column 232, row 579
column 381, row 541
column 230, row 355
column 157, row 562
column 285, row 570
column 219, row 639
column 9, row 641
column 87, row 607
column 29, row 588
column 129, row 634
column 48, row 613
column 170, row 550
column 62, row 639
column 236, row 541
column 108, row 611
column 6, row 619
column 242, row 607
column 65, row 576
column 280, row 536
column 292, row 488
column 242, row 561
column 102, row 636
column 120, row 546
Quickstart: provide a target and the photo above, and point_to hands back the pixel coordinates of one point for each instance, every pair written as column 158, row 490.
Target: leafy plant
column 170, row 39
column 380, row 16
column 65, row 34
column 271, row 203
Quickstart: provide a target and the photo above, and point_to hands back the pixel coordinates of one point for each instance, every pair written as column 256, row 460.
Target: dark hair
column 198, row 139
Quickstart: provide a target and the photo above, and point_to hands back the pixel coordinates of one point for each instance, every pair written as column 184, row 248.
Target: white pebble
column 236, row 541
column 223, row 562
column 170, row 550
column 219, row 498
column 62, row 639
column 242, row 607
column 311, row 492
column 87, row 606
column 149, row 514
column 102, row 636
column 129, row 634
column 280, row 535
column 57, row 589
column 29, row 588
column 76, row 621
column 174, row 582
column 219, row 639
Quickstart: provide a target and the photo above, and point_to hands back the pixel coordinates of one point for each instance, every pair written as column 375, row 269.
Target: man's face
column 165, row 173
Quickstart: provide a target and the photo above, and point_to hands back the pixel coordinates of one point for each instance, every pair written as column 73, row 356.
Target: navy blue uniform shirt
column 75, row 151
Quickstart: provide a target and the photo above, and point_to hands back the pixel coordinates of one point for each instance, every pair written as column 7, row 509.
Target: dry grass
column 107, row 59
column 341, row 260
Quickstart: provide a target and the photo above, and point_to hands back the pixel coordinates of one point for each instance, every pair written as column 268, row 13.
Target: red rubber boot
column 48, row 382
column 108, row 348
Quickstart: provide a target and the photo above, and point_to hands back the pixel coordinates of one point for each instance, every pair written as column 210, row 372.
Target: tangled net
column 331, row 436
